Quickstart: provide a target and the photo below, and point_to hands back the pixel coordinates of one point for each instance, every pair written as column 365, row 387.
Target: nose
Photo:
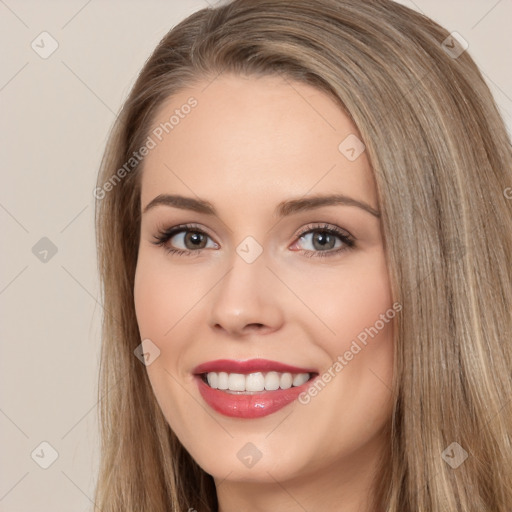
column 246, row 300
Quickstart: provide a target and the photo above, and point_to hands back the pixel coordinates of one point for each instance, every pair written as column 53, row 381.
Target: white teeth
column 223, row 381
column 254, row 382
column 300, row 379
column 272, row 380
column 213, row 380
column 287, row 380
column 236, row 382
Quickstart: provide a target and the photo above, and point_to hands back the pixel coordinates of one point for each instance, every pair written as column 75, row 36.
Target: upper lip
column 248, row 366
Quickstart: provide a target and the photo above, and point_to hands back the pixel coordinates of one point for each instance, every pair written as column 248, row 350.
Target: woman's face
column 277, row 266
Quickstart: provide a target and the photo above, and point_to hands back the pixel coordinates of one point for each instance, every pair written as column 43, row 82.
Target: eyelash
column 165, row 235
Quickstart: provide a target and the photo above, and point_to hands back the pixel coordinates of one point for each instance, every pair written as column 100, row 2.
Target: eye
column 191, row 238
column 325, row 240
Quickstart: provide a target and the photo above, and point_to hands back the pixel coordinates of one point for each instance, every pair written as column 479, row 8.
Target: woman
column 305, row 237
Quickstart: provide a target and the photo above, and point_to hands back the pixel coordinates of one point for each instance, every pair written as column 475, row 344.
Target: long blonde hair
column 442, row 162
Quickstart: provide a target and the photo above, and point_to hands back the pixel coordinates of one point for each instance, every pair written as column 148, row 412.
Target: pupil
column 195, row 238
column 323, row 239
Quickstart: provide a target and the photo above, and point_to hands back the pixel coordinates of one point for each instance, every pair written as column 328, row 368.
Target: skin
column 248, row 145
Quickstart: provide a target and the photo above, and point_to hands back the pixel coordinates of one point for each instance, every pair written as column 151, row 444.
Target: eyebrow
column 283, row 209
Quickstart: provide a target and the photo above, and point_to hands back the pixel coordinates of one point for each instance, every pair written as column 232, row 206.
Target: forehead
column 239, row 138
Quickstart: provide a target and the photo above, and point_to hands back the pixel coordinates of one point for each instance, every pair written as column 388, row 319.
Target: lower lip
column 250, row 406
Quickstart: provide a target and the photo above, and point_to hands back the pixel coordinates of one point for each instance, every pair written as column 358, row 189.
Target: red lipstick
column 249, row 366
column 249, row 404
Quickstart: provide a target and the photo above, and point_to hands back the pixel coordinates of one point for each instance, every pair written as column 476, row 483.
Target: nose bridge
column 246, row 296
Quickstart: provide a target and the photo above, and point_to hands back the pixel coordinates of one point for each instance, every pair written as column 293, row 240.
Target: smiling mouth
column 257, row 382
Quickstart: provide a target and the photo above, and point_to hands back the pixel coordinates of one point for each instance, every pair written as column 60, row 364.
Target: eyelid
column 318, row 226
column 178, row 228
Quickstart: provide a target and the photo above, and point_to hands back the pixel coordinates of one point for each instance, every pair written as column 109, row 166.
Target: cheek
column 163, row 294
column 348, row 299
column 162, row 298
column 150, row 297
column 355, row 304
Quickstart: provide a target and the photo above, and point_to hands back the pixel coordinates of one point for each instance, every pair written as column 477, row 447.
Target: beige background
column 56, row 113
